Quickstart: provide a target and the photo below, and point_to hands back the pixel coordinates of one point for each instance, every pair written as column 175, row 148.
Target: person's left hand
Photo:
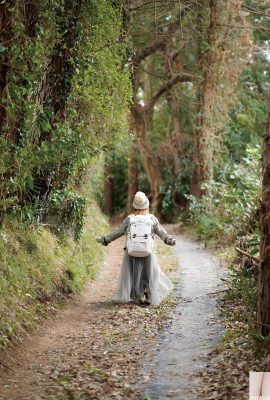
column 171, row 240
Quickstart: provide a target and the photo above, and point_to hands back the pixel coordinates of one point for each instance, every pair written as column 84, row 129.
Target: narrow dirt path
column 45, row 361
column 95, row 349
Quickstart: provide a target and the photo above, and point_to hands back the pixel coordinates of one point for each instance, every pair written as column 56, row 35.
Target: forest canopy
column 182, row 85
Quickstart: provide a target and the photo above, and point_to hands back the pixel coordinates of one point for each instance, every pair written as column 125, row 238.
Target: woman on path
column 140, row 278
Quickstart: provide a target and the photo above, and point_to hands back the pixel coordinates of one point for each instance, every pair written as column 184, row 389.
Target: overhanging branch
column 160, row 44
column 182, row 77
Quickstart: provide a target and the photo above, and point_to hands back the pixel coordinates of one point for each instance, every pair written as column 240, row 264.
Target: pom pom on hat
column 140, row 201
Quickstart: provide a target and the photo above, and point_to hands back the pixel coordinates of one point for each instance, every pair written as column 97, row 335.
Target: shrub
column 234, row 201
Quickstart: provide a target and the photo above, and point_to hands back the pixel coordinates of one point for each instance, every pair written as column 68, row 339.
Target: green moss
column 37, row 268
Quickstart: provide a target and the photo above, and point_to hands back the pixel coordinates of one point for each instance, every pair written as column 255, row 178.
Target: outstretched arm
column 162, row 233
column 115, row 234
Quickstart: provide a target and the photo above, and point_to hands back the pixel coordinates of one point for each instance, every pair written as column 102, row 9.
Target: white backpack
column 140, row 242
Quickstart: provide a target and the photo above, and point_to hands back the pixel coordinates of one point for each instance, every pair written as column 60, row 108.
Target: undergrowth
column 229, row 219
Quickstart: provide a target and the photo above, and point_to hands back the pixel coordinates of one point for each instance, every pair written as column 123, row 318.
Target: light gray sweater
column 122, row 229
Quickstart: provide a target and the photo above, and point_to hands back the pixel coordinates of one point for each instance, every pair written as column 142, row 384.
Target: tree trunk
column 263, row 288
column 6, row 40
column 6, row 35
column 30, row 11
column 56, row 82
column 132, row 175
column 55, row 89
column 203, row 138
column 142, row 119
column 221, row 66
column 108, row 185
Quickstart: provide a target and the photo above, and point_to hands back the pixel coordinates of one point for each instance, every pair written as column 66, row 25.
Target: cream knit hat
column 140, row 201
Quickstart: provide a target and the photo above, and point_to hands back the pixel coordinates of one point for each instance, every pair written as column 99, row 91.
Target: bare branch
column 148, row 72
column 253, row 10
column 162, row 4
column 182, row 77
column 160, row 44
column 256, row 259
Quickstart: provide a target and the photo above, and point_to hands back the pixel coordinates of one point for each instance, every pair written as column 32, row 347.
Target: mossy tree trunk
column 223, row 49
column 263, row 289
column 6, row 39
column 54, row 91
column 56, row 83
column 203, row 137
column 142, row 117
column 132, row 174
column 108, row 184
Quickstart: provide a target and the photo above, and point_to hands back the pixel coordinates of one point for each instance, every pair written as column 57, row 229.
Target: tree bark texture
column 56, row 82
column 132, row 174
column 222, row 55
column 30, row 13
column 141, row 119
column 108, row 185
column 31, row 10
column 141, row 122
column 176, row 139
column 203, row 138
column 6, row 36
column 263, row 288
column 55, row 89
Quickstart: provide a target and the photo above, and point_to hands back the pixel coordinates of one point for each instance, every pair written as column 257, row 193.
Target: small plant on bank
column 69, row 209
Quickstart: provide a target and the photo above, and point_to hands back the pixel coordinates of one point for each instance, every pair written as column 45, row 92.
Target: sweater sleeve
column 159, row 230
column 116, row 233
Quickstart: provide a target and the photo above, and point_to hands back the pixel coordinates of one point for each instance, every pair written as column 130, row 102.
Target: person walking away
column 141, row 277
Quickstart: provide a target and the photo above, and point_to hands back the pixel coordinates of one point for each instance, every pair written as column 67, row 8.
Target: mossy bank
column 38, row 269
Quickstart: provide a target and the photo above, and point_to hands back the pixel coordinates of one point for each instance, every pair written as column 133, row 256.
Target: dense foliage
column 67, row 93
column 64, row 93
column 234, row 202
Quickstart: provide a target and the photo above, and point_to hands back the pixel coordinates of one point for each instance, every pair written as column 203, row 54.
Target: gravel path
column 194, row 327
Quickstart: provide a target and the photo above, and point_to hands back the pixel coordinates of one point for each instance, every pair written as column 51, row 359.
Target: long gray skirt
column 140, row 274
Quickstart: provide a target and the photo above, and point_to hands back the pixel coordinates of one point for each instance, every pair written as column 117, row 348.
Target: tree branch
column 161, row 43
column 244, row 253
column 182, row 77
column 149, row 73
column 151, row 3
column 256, row 11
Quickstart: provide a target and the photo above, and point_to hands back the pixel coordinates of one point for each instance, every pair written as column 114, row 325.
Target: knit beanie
column 140, row 201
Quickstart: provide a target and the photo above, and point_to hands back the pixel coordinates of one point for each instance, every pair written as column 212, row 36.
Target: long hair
column 140, row 212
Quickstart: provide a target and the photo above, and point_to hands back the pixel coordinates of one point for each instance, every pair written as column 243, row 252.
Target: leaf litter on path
column 94, row 348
